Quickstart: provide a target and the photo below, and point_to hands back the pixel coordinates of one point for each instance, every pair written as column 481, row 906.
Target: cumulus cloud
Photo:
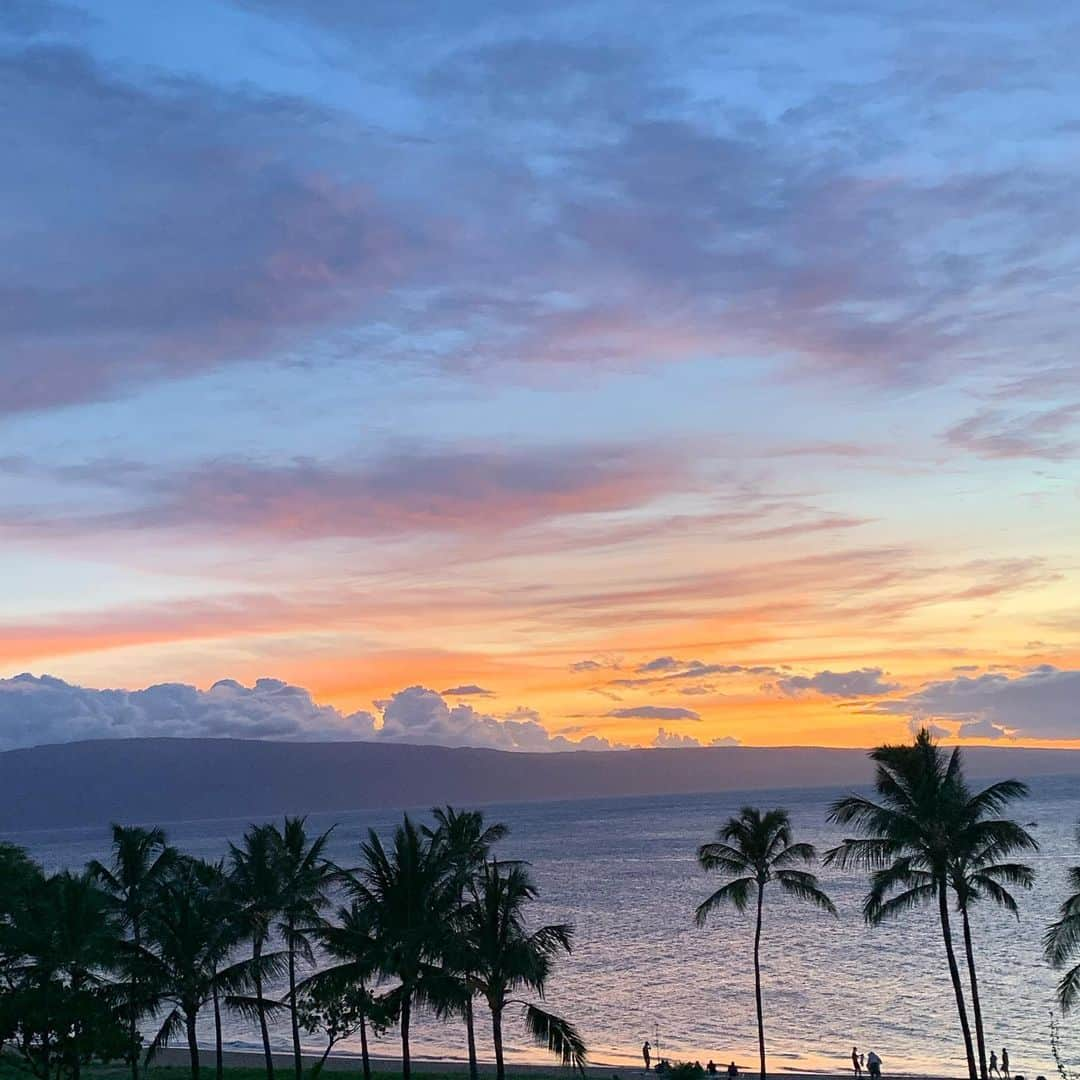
column 655, row 712
column 1043, row 703
column 468, row 690
column 863, row 682
column 42, row 710
column 673, row 740
column 38, row 710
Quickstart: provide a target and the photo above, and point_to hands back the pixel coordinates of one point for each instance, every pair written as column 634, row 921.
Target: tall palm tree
column 753, row 850
column 1062, row 941
column 140, row 859
column 257, row 882
column 306, row 876
column 978, row 871
column 909, row 839
column 185, row 958
column 467, row 843
column 409, row 896
column 508, row 957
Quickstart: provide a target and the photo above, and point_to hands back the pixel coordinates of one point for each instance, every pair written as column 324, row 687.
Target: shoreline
column 347, row 1061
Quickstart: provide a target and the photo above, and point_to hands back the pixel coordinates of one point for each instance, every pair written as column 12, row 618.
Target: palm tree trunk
column 219, row 1057
column 496, row 1038
column 269, row 1058
column 364, row 1058
column 193, row 1043
column 976, row 1007
column 76, row 1063
column 133, row 1027
column 298, row 1064
column 954, row 974
column 757, row 980
column 470, row 1033
column 406, row 1066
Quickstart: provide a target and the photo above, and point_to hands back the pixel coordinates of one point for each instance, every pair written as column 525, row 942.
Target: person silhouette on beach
column 732, row 1071
column 993, row 1064
column 856, row 1064
column 1005, row 1062
column 646, row 1054
column 711, row 1067
column 873, row 1065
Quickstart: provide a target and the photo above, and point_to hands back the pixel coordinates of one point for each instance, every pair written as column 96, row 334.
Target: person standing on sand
column 1005, row 1062
column 646, row 1054
column 732, row 1071
column 873, row 1065
column 993, row 1068
column 855, row 1063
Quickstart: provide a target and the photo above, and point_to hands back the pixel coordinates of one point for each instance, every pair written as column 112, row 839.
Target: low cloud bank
column 35, row 710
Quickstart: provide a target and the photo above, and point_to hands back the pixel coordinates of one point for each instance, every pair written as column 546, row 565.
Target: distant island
column 91, row 783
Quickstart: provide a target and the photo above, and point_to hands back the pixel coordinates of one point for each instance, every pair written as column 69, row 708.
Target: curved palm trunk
column 193, row 1043
column 496, row 1038
column 406, row 1013
column 954, row 974
column 757, row 980
column 470, row 1033
column 298, row 1063
column 256, row 950
column 976, row 1007
column 219, row 1057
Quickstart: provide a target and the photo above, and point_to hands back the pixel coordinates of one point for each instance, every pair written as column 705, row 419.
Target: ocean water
column 623, row 871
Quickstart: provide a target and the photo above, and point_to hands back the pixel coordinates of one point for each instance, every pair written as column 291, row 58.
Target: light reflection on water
column 623, row 871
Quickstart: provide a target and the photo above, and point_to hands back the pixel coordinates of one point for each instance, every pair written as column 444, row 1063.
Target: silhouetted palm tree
column 467, row 842
column 185, row 958
column 351, row 942
column 753, row 850
column 306, row 876
column 978, row 871
column 257, row 881
column 507, row 957
column 910, row 840
column 409, row 897
column 140, row 860
column 1062, row 941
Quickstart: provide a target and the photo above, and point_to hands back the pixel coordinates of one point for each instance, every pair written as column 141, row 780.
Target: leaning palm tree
column 185, row 958
column 467, row 843
column 909, row 840
column 979, row 870
column 1062, row 941
column 306, row 876
column 140, row 860
column 753, row 850
column 508, row 957
column 257, row 883
column 408, row 894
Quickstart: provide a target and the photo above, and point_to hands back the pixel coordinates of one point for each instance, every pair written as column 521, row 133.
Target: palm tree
column 305, row 878
column 1062, row 941
column 185, row 958
column 256, row 877
column 909, row 840
column 141, row 858
column 753, row 850
column 409, row 897
column 352, row 943
column 467, row 843
column 977, row 871
column 507, row 957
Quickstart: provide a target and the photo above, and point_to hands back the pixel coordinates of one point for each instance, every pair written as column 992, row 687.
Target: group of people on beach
column 712, row 1069
column 871, row 1064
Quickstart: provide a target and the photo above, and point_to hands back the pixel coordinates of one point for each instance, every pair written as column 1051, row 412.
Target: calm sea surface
column 623, row 871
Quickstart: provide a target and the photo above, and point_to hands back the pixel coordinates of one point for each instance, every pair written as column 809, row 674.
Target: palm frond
column 735, row 892
column 805, row 886
column 558, row 1035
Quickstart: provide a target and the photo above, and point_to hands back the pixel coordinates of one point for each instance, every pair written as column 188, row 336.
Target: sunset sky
column 517, row 374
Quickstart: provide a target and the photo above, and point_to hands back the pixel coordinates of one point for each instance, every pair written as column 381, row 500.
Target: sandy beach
column 351, row 1062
